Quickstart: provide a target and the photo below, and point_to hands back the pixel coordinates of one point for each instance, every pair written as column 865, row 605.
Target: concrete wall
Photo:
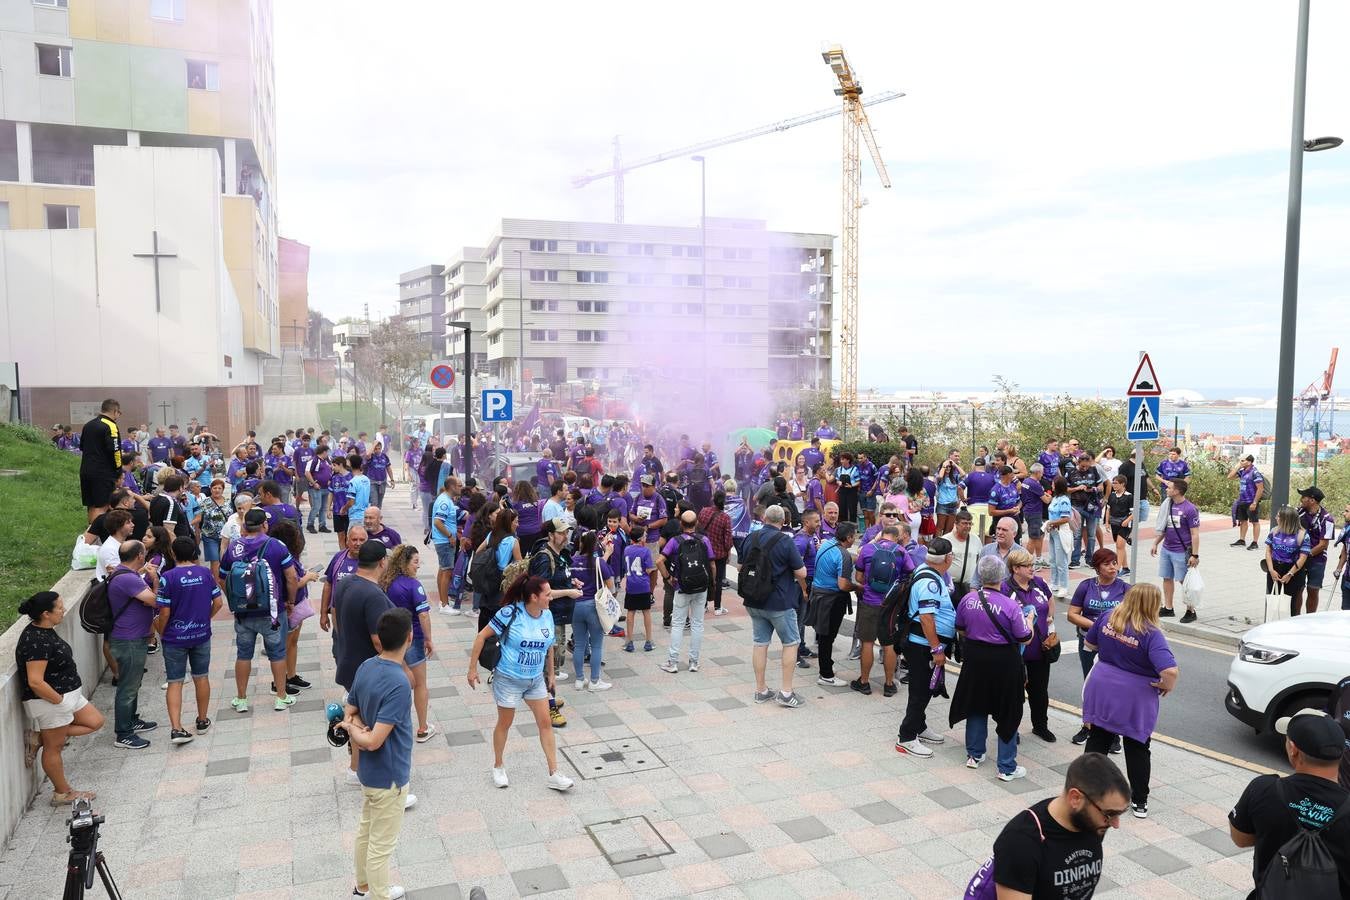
column 18, row 783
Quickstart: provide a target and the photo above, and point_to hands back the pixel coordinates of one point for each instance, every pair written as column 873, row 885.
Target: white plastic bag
column 1192, row 586
column 83, row 556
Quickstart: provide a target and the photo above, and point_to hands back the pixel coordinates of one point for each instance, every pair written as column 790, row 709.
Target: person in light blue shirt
column 1058, row 519
column 359, row 489
column 554, row 506
column 931, row 634
column 525, row 632
column 444, row 531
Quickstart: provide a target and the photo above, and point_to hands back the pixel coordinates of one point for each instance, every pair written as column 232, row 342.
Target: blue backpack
column 881, row 570
column 251, row 586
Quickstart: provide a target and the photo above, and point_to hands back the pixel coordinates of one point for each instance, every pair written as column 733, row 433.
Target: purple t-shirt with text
column 974, row 621
column 1181, row 518
column 1144, row 654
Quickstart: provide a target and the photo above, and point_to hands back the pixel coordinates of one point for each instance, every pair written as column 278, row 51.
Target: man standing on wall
column 101, row 458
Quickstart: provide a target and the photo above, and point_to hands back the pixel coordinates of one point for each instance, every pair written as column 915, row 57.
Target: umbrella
column 757, row 438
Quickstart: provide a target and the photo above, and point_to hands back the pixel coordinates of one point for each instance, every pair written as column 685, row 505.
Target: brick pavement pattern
column 684, row 787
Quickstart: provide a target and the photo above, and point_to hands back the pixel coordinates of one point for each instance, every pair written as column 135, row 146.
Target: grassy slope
column 41, row 512
column 369, row 415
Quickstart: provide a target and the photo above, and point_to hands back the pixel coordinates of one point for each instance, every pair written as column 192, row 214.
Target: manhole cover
column 618, row 757
column 628, row 840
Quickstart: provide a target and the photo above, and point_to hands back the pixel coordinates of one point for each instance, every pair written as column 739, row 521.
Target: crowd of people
column 935, row 569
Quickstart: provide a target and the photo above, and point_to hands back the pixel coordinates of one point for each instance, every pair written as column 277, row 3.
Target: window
column 4, row 215
column 694, row 280
column 635, row 306
column 728, row 252
column 694, row 309
column 494, row 339
column 453, row 273
column 677, row 250
column 743, row 281
column 205, row 76
column 592, row 306
column 542, row 246
column 492, row 285
column 601, row 247
column 536, row 274
column 598, row 337
column 641, row 249
column 53, row 60
column 743, row 309
column 55, row 4
column 541, row 305
column 543, row 334
column 61, row 217
column 602, row 306
column 169, row 10
column 584, row 247
column 742, row 252
column 592, row 277
column 584, row 277
column 696, row 252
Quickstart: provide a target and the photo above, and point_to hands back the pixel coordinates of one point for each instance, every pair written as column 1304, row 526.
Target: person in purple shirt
column 992, row 674
column 317, row 473
column 277, row 510
column 545, row 472
column 811, row 457
column 343, row 565
column 249, row 483
column 782, row 428
column 825, row 432
column 1321, row 530
column 690, row 603
column 304, row 452
column 815, row 489
column 160, row 447
column 1005, row 498
column 979, row 483
column 376, row 530
column 807, row 541
column 129, row 444
column 1049, row 458
column 236, row 467
column 1135, row 669
column 796, row 428
column 276, row 466
column 132, row 604
column 188, row 598
column 1034, row 496
column 1180, row 539
column 874, row 587
column 377, row 469
column 867, row 487
column 1033, row 595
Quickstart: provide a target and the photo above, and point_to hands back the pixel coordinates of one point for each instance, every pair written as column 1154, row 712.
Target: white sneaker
column 600, row 685
column 562, row 675
column 930, row 736
column 973, row 762
column 913, row 748
column 449, row 611
column 409, row 802
column 353, row 779
column 396, row 892
column 499, row 777
column 831, row 682
column 719, row 612
column 559, row 782
column 670, row 666
column 1019, row 772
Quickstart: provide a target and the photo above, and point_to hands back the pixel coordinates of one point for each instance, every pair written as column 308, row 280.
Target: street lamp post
column 468, row 419
column 703, row 257
column 520, row 330
column 1298, row 145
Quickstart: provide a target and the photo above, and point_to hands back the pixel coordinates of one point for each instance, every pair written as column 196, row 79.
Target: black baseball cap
column 1314, row 492
column 1314, row 733
column 370, row 553
column 255, row 517
column 939, row 547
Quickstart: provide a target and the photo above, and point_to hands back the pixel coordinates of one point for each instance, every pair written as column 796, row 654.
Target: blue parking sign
column 497, row 406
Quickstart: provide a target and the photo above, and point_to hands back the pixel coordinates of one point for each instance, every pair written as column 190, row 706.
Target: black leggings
column 715, row 589
column 1038, row 692
column 1138, row 761
column 825, row 640
column 848, row 504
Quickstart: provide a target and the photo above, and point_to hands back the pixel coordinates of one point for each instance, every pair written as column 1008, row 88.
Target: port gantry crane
column 856, row 126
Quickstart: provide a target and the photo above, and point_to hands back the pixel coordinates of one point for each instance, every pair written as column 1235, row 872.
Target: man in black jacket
column 167, row 506
column 100, row 459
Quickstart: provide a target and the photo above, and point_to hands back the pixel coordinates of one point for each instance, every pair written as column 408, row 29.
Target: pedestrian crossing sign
column 1141, row 418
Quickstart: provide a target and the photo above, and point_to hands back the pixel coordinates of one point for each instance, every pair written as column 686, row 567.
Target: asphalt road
column 1194, row 712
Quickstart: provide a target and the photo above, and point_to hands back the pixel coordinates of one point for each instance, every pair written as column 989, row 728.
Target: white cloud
column 1072, row 181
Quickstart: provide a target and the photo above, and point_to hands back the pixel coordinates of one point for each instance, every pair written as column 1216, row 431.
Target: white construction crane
column 855, row 125
column 620, row 168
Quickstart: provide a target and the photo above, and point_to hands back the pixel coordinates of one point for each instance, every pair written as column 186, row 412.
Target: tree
column 392, row 358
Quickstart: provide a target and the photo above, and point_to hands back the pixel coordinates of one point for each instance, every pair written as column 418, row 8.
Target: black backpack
column 484, row 574
column 96, row 615
column 491, row 654
column 593, row 515
column 691, row 565
column 755, row 581
column 896, row 622
column 1303, row 868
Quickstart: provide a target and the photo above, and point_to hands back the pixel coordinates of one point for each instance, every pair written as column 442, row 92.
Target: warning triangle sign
column 1145, row 380
column 1143, row 420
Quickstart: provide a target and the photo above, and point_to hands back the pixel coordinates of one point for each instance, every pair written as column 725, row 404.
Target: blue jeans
column 688, row 607
column 1059, row 563
column 1143, row 510
column 977, row 742
column 586, row 634
column 1085, row 539
column 130, row 656
column 318, row 505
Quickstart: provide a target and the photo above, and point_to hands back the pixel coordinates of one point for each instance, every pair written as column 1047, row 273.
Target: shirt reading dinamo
column 1065, row 865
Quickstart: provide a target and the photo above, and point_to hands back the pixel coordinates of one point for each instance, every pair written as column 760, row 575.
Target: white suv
column 1284, row 666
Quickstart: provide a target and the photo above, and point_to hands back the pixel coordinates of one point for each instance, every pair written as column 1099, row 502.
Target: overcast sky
column 1073, row 182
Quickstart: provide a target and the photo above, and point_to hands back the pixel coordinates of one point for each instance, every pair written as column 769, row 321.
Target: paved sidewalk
column 724, row 797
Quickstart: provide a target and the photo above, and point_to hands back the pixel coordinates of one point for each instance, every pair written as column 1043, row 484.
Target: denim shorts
column 178, row 659
column 211, row 548
column 868, row 501
column 445, row 555
column 1317, row 569
column 1172, row 564
column 1035, row 527
column 417, row 652
column 766, row 623
column 247, row 629
column 947, row 509
column 508, row 691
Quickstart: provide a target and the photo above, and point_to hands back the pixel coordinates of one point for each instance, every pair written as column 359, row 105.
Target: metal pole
column 1317, row 439
column 972, row 439
column 1284, row 397
column 1138, row 490
column 468, row 420
column 520, row 311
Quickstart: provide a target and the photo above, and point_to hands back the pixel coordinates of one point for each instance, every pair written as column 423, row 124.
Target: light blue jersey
column 526, row 645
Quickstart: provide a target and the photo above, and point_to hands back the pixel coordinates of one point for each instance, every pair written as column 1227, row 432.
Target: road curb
column 1206, row 633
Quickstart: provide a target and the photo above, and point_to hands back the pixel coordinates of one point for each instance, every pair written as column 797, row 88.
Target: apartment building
column 630, row 306
column 465, row 294
column 421, row 305
column 137, row 176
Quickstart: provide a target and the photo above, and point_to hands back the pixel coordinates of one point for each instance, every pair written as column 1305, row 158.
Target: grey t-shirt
column 357, row 603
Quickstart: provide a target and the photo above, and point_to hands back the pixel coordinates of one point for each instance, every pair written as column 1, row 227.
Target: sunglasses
column 1110, row 814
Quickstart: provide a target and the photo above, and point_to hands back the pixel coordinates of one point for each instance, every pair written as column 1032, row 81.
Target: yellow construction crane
column 855, row 125
column 620, row 167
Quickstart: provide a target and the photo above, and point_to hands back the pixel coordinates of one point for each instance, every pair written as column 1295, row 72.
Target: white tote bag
column 1277, row 603
column 607, row 607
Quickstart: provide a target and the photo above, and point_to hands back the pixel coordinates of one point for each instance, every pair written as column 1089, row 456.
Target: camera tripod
column 83, row 842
